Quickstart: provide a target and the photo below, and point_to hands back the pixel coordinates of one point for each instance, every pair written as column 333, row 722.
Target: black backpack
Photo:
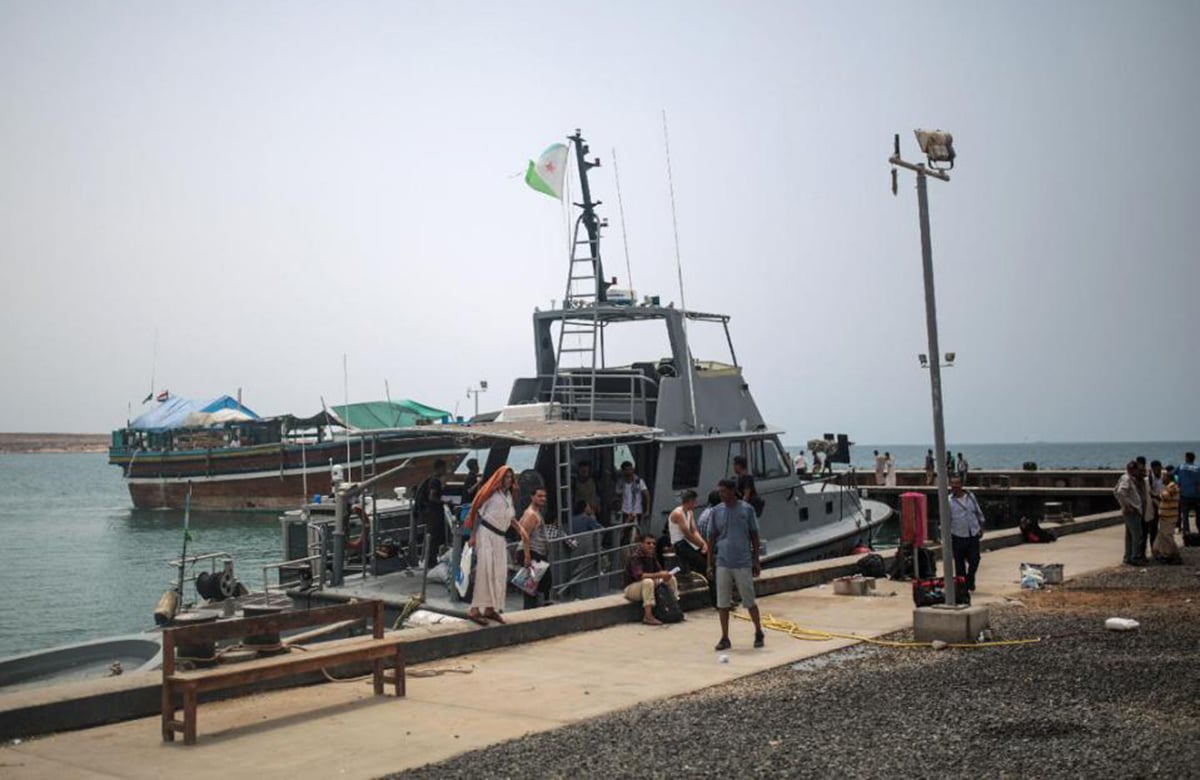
column 666, row 606
column 1034, row 533
column 872, row 565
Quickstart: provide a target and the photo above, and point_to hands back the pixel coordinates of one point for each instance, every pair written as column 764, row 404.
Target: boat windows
column 767, row 460
column 687, row 467
column 736, row 449
column 803, row 513
column 828, row 507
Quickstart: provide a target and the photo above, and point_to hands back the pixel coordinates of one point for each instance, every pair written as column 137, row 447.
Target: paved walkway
column 344, row 731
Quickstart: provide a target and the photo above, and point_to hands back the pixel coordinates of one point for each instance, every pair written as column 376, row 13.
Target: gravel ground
column 1083, row 702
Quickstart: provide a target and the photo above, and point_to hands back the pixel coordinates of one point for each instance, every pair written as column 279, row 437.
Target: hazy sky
column 269, row 186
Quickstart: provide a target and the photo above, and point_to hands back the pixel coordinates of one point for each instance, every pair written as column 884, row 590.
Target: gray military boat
column 680, row 419
column 692, row 415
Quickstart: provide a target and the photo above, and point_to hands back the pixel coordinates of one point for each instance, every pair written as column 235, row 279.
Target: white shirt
column 676, row 533
column 631, row 496
column 966, row 519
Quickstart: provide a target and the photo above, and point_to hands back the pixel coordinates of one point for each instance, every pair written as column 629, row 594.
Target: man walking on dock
column 733, row 531
column 1130, row 499
column 966, row 529
column 1188, row 477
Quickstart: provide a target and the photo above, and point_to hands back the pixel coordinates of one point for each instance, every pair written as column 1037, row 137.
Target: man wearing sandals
column 733, row 531
column 643, row 573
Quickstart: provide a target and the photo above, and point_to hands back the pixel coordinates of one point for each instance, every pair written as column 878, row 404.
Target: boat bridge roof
column 632, row 313
column 532, row 432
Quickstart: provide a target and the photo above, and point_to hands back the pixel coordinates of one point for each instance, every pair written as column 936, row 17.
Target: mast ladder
column 368, row 457
column 578, row 399
column 562, row 471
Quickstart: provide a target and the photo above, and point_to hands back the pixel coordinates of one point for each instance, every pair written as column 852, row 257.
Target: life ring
column 357, row 542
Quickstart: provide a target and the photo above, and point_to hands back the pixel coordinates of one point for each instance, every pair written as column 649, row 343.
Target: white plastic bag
column 527, row 578
column 462, row 577
column 1121, row 624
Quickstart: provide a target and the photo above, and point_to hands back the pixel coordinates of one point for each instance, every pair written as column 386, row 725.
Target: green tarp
column 373, row 415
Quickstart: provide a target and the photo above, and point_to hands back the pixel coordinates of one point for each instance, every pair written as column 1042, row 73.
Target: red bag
column 932, row 591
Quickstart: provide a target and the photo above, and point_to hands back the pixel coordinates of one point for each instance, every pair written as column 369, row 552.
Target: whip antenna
column 621, row 212
column 679, row 270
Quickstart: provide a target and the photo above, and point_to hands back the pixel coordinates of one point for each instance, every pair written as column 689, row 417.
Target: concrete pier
column 342, row 730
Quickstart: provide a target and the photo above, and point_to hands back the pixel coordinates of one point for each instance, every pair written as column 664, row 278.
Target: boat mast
column 590, row 222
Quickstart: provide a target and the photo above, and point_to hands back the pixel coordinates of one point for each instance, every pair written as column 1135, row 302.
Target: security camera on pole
column 938, row 148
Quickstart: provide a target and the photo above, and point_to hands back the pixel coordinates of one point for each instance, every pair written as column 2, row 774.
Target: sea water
column 77, row 562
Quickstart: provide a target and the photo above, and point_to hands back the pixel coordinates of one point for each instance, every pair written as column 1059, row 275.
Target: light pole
column 475, row 391
column 938, row 147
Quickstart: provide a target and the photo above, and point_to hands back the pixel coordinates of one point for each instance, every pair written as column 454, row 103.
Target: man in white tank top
column 690, row 547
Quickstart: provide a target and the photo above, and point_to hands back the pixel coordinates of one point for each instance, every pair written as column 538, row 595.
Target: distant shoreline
column 20, row 443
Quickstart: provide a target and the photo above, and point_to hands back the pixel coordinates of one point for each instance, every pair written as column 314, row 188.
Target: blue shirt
column 702, row 522
column 731, row 526
column 1188, row 477
column 584, row 522
column 966, row 519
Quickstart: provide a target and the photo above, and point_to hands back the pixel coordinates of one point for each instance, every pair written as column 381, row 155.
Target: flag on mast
column 546, row 175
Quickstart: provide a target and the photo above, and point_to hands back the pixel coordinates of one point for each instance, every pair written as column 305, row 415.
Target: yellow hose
column 816, row 635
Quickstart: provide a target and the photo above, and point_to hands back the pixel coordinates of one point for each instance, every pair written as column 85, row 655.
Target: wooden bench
column 187, row 684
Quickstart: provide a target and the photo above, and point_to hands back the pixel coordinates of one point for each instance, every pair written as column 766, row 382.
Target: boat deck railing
column 586, row 564
column 188, row 565
column 307, row 570
column 579, row 394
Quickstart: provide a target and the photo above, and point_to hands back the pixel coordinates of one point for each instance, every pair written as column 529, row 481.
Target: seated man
column 690, row 547
column 583, row 518
column 642, row 574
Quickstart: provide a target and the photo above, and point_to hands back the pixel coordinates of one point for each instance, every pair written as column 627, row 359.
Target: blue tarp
column 170, row 414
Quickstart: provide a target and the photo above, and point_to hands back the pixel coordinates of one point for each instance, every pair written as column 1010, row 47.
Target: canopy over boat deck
column 483, row 435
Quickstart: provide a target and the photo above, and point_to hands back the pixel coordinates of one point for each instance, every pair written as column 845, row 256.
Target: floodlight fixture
column 473, row 392
column 924, row 360
column 950, row 358
column 938, row 148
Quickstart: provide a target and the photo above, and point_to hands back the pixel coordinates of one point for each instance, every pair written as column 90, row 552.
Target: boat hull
column 277, row 476
column 83, row 661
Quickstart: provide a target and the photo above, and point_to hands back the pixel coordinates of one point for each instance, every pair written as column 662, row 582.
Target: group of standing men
column 1155, row 503
column 723, row 543
column 820, row 464
column 954, row 467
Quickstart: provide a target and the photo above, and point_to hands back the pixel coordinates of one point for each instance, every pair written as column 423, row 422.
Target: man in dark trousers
column 966, row 529
column 431, row 512
column 1188, row 478
column 746, row 491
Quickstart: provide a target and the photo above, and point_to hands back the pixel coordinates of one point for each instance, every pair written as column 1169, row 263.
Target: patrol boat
column 679, row 418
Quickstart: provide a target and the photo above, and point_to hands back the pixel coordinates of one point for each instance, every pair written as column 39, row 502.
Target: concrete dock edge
column 71, row 706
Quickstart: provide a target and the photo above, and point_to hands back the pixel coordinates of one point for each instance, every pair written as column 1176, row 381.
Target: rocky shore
column 11, row 443
column 1082, row 702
